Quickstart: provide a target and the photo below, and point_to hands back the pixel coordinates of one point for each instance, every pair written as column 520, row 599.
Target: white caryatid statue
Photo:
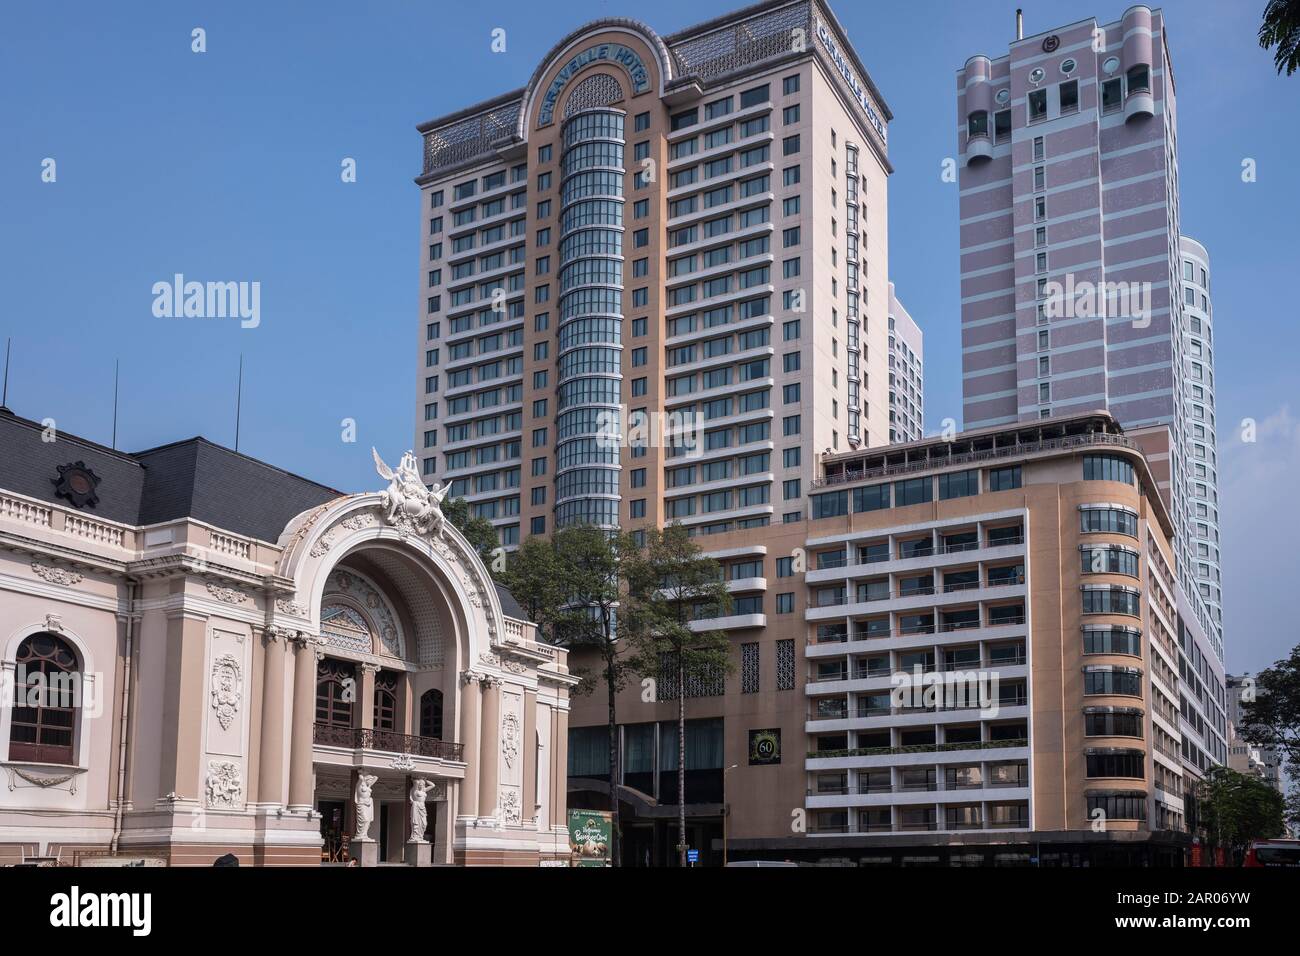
column 407, row 502
column 420, row 788
column 365, row 804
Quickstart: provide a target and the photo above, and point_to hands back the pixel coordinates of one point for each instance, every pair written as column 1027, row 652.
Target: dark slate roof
column 186, row 479
column 29, row 466
column 209, row 483
column 193, row 478
column 509, row 606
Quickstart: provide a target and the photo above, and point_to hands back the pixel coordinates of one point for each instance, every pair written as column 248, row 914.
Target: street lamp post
column 726, row 811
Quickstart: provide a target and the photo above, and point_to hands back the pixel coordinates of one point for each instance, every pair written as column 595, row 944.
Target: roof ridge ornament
column 408, row 504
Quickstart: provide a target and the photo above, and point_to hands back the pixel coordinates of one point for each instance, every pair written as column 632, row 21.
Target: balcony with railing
column 387, row 741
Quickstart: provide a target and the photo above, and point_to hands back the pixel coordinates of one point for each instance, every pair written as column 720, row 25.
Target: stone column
column 271, row 763
column 489, row 749
column 444, row 824
column 182, row 720
column 560, row 773
column 301, row 783
column 366, row 696
column 471, row 705
column 529, row 747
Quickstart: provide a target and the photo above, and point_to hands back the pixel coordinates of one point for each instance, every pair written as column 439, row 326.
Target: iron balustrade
column 387, row 741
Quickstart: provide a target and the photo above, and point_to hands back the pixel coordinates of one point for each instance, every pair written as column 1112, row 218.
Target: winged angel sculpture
column 409, row 504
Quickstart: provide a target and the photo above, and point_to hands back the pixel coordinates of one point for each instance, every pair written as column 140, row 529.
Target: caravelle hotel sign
column 841, row 62
column 624, row 56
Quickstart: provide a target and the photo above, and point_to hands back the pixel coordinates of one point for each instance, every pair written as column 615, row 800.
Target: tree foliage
column 477, row 530
column 1270, row 714
column 670, row 586
column 570, row 586
column 1236, row 808
column 1281, row 29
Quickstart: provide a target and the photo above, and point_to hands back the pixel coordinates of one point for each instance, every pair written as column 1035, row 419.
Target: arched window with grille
column 47, row 683
column 431, row 714
column 336, row 689
column 385, row 701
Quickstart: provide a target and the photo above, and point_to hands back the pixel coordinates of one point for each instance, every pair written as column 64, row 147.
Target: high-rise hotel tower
column 1079, row 293
column 686, row 231
column 1071, row 268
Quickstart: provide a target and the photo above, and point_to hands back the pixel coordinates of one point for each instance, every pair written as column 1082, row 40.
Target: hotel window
column 912, row 491
column 1044, row 366
column 538, row 525
column 1107, row 468
column 1040, row 149
column 790, row 115
column 1043, row 340
column 790, row 145
column 1001, row 126
column 640, row 123
column 961, row 484
column 1037, row 101
column 637, row 508
column 1040, row 208
column 1040, row 178
column 754, row 96
column 1139, row 79
column 1112, row 95
column 639, row 327
column 1116, row 763
column 977, row 124
column 1044, row 392
column 790, row 176
column 1040, row 262
column 785, row 603
column 1004, row 479
column 1040, row 236
column 1070, row 97
column 435, row 200
column 790, row 85
column 684, row 119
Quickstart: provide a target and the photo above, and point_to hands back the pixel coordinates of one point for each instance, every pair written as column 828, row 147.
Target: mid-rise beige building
column 1031, row 564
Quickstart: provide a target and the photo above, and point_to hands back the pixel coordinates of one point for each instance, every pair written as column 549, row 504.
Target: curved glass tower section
column 590, row 319
column 1203, row 467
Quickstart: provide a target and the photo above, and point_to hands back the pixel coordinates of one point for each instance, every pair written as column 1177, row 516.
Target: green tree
column 1270, row 712
column 535, row 577
column 1281, row 29
column 590, row 559
column 570, row 586
column 671, row 588
column 477, row 530
column 1236, row 808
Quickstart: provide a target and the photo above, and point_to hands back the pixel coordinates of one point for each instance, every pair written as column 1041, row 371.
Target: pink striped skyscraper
column 1070, row 261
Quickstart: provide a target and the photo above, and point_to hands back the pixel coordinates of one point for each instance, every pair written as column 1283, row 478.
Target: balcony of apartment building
column 939, row 786
column 972, row 544
column 859, row 677
column 922, row 741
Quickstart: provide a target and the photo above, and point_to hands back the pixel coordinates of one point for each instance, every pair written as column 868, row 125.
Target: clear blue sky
column 225, row 165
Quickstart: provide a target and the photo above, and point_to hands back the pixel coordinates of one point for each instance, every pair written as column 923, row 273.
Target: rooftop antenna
column 117, row 368
column 239, row 395
column 4, row 399
column 1020, row 24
